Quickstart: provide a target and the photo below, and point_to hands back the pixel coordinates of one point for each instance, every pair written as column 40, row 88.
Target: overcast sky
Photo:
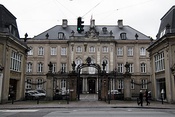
column 36, row 16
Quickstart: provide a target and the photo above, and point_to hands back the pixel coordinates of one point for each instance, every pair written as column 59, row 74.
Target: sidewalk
column 84, row 104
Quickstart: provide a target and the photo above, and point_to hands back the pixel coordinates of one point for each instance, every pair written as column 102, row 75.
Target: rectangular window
column 40, row 51
column 54, row 67
column 143, row 67
column 79, row 49
column 131, row 68
column 53, row 51
column 120, row 51
column 92, row 49
column 159, row 62
column 144, row 84
column 63, row 51
column 105, row 49
column 63, row 83
column 132, row 83
column 120, row 67
column 29, row 67
column 40, row 67
column 39, row 84
column 16, row 60
column 63, row 67
column 120, row 85
column 142, row 51
column 130, row 51
column 28, row 84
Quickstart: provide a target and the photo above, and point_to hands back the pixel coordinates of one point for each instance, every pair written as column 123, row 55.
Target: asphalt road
column 89, row 112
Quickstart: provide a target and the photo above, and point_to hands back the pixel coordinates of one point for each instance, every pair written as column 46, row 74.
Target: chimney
column 120, row 24
column 64, row 23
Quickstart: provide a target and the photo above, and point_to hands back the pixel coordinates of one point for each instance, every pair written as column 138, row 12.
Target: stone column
column 73, row 86
column 127, row 83
column 49, row 87
column 104, row 88
column 127, row 87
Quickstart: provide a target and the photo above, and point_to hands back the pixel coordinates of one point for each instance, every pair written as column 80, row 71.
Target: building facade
column 13, row 58
column 162, row 59
column 113, row 44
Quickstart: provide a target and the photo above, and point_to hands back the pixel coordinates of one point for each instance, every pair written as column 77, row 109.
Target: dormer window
column 123, row 36
column 104, row 29
column 60, row 35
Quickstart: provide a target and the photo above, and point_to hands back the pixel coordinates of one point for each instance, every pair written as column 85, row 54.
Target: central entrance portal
column 91, row 84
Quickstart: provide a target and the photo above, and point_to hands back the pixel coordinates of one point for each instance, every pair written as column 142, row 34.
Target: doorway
column 91, row 83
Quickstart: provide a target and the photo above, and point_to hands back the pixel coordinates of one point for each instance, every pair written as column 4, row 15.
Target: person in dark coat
column 140, row 100
column 147, row 97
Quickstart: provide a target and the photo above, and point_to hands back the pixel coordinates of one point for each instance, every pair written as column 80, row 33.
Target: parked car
column 33, row 94
column 114, row 92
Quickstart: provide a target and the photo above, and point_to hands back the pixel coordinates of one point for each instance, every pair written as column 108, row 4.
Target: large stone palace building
column 113, row 44
column 13, row 56
column 162, row 56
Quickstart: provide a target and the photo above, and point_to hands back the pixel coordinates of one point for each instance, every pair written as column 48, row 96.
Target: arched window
column 40, row 67
column 79, row 49
column 123, row 35
column 92, row 49
column 143, row 68
column 142, row 51
column 61, row 35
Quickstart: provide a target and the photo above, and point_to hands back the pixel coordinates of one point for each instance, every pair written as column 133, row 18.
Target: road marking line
column 18, row 111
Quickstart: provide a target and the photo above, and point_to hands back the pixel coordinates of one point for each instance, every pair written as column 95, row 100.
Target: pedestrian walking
column 140, row 99
column 147, row 97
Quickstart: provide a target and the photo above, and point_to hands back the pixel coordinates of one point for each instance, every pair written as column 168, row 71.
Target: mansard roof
column 167, row 24
column 110, row 30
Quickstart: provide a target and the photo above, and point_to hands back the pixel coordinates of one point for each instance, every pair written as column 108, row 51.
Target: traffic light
column 79, row 25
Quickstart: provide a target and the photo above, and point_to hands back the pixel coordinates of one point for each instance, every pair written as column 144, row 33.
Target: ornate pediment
column 92, row 33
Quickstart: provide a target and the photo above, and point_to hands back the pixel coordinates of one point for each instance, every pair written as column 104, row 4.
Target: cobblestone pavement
column 90, row 100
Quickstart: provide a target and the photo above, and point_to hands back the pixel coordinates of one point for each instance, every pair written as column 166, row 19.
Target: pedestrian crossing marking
column 16, row 111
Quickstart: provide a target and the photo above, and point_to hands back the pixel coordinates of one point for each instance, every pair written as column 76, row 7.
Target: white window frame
column 40, row 67
column 39, row 82
column 40, row 51
column 120, row 51
column 105, row 49
column 120, row 84
column 143, row 68
column 16, row 60
column 159, row 62
column 130, row 51
column 131, row 68
column 29, row 67
column 54, row 67
column 63, row 67
column 142, row 51
column 144, row 84
column 53, row 50
column 92, row 49
column 63, row 51
column 132, row 84
column 120, row 67
column 28, row 83
column 79, row 49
